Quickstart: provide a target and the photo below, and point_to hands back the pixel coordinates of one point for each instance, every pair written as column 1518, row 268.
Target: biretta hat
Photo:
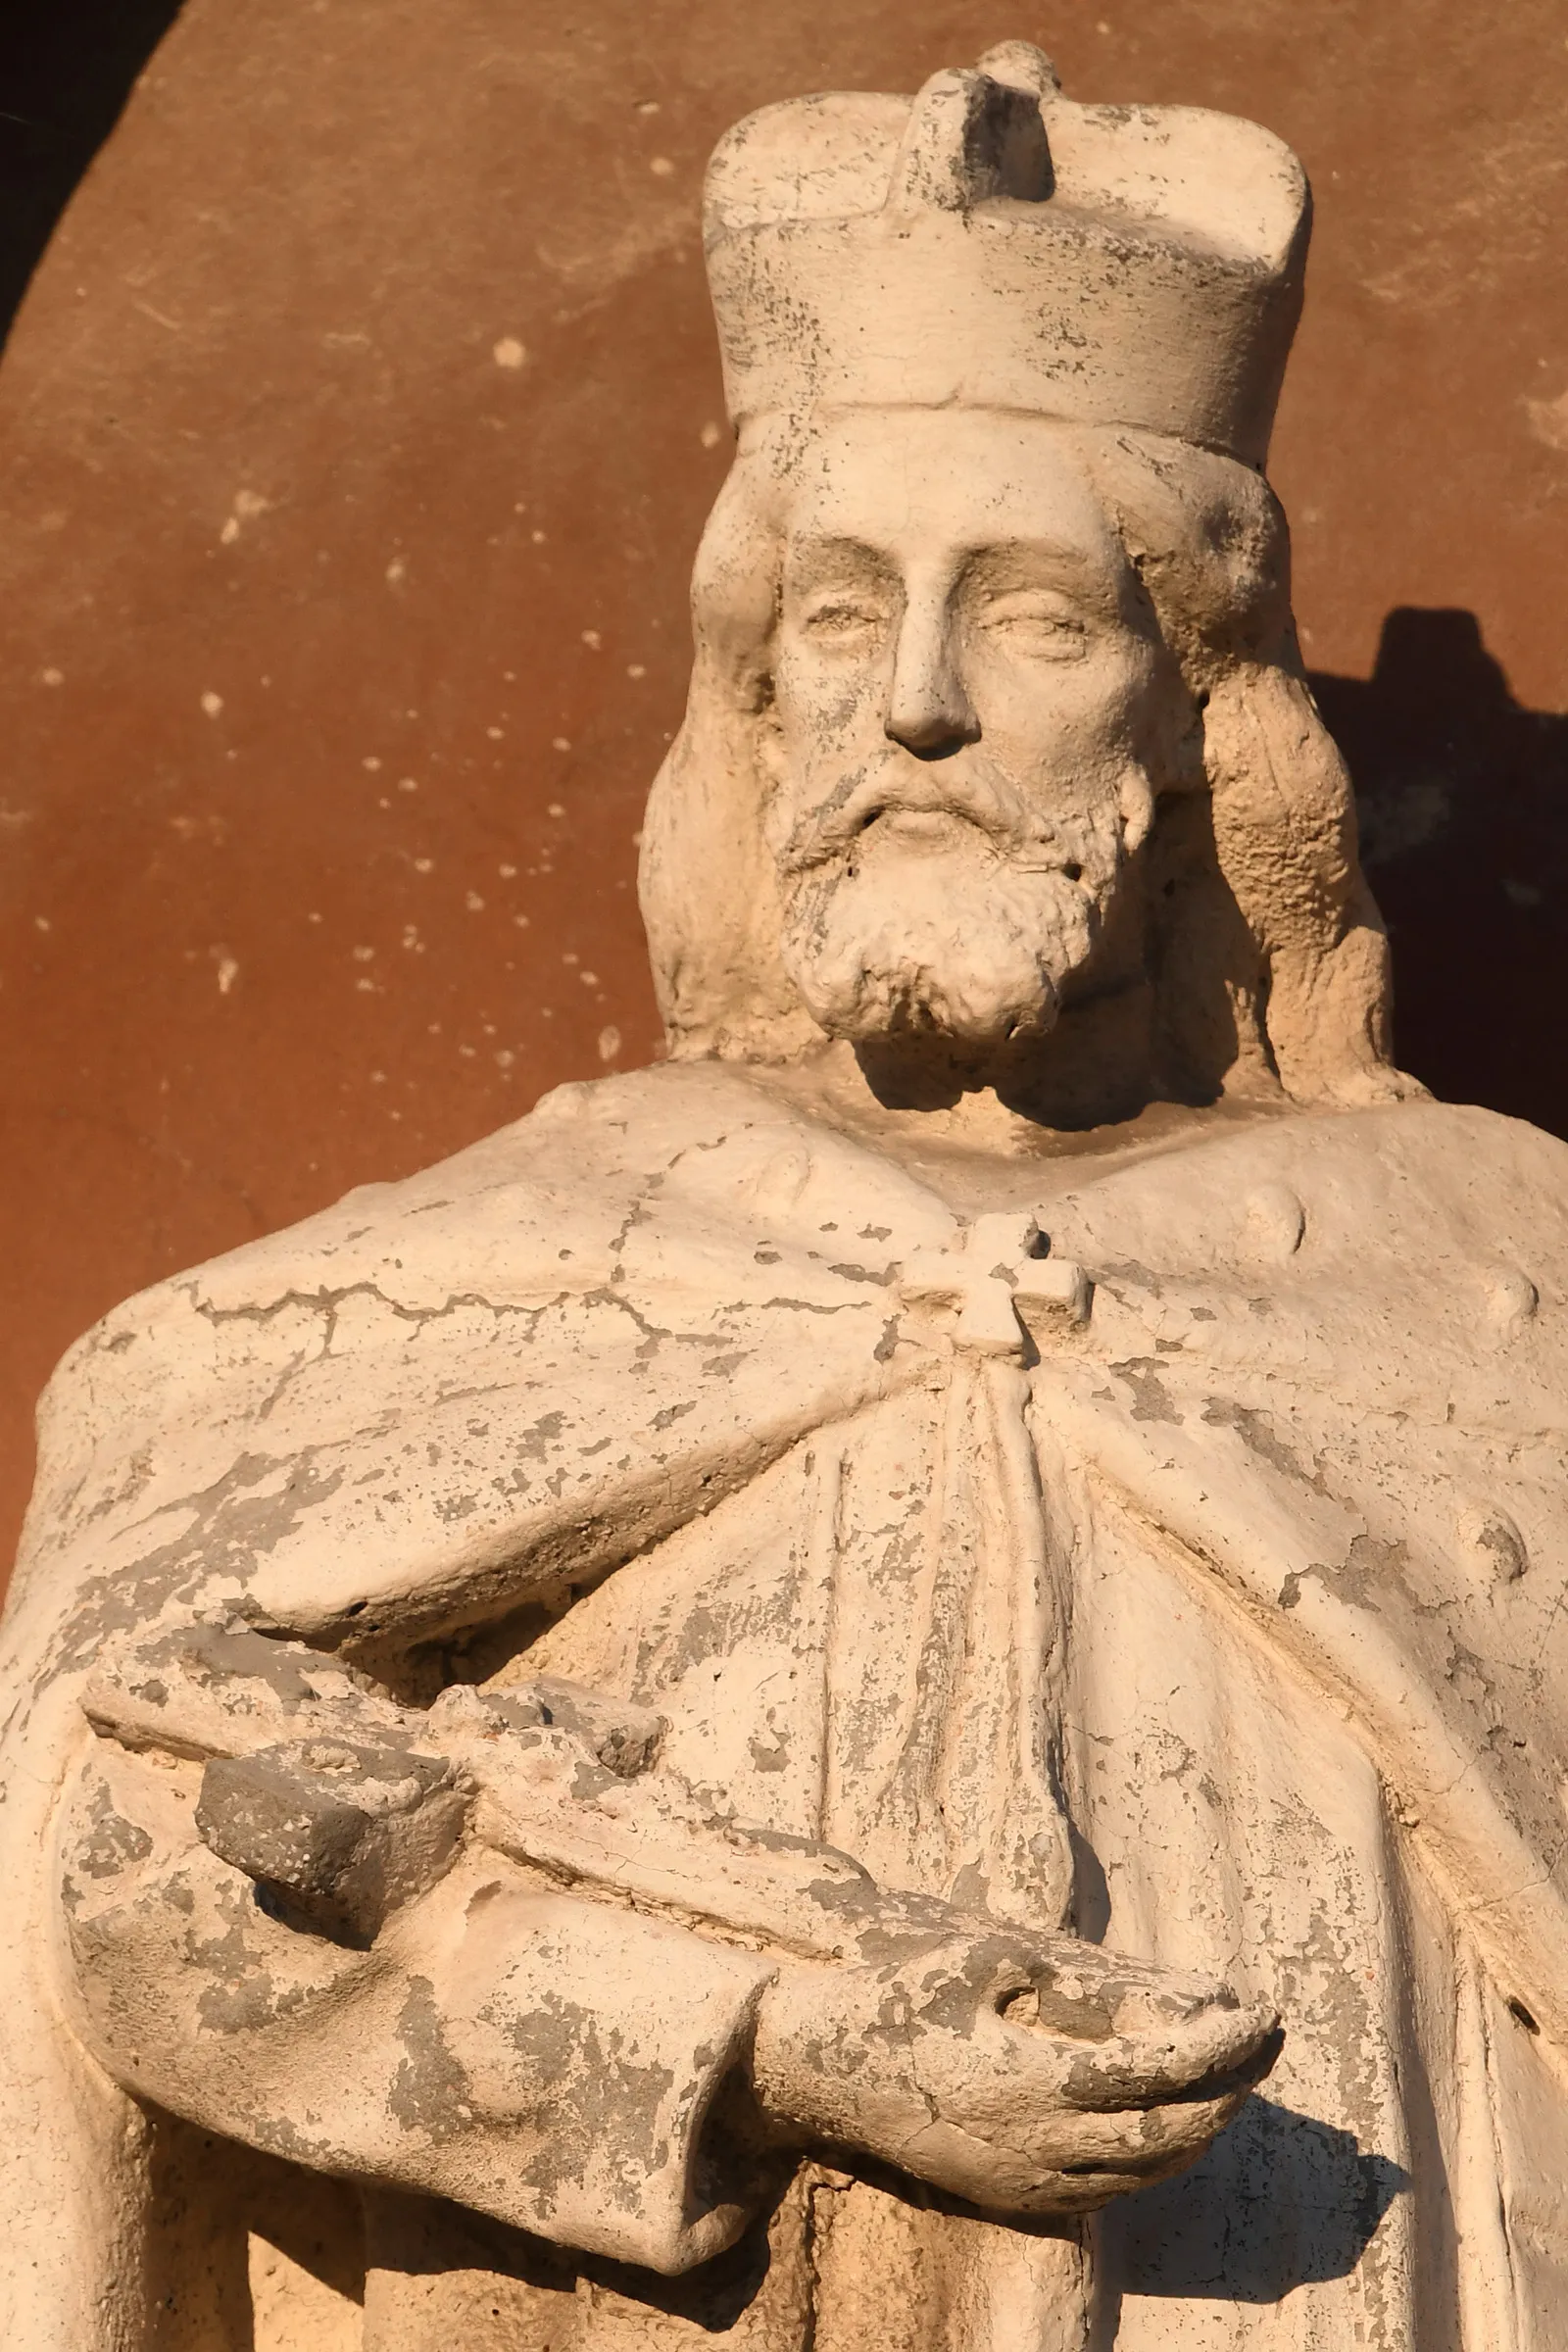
column 988, row 243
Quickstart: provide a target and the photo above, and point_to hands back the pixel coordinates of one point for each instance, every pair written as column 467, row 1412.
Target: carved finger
column 1224, row 2049
column 1145, row 2143
column 1068, row 2163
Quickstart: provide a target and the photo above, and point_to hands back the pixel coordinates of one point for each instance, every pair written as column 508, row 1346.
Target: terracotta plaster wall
column 355, row 437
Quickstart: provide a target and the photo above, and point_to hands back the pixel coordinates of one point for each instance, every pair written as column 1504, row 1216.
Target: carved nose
column 928, row 710
column 930, row 732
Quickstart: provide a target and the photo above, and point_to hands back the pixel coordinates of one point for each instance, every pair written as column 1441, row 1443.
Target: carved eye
column 839, row 618
column 1036, row 624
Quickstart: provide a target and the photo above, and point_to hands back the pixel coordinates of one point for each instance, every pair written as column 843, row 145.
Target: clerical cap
column 988, row 243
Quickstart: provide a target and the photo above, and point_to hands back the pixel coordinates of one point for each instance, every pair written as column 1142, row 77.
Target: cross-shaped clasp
column 1002, row 1290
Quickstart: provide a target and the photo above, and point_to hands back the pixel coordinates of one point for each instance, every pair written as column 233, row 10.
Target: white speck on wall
column 561, row 743
column 365, row 987
column 589, row 979
column 592, row 641
column 396, row 571
column 54, row 677
column 248, row 504
column 473, row 903
column 635, row 669
column 510, row 352
column 408, row 784
column 506, row 872
column 1549, row 419
column 364, row 954
column 41, row 922
column 555, row 810
column 425, row 866
column 212, row 703
column 537, row 537
column 496, row 734
column 712, row 434
column 373, row 764
column 608, row 1042
column 661, row 166
column 523, row 921
column 227, row 971
column 572, row 957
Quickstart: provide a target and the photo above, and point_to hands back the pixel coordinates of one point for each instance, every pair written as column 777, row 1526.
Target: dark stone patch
column 430, row 2091
column 1152, row 1401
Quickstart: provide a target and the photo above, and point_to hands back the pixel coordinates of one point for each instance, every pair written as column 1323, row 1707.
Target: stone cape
column 1302, row 1467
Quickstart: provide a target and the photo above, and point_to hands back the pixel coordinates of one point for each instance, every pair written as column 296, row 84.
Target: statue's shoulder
column 510, row 1206
column 547, row 1199
column 683, row 1194
column 1412, row 1257
column 1421, row 1180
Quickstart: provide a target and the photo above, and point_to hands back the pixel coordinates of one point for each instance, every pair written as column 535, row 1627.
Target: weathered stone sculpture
column 724, row 1716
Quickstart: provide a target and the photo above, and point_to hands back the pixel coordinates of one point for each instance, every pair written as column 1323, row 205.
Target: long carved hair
column 1266, row 956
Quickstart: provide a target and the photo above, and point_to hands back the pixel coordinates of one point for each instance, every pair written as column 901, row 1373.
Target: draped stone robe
column 1228, row 1626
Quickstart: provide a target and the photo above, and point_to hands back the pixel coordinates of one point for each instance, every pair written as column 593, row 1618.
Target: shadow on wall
column 1463, row 798
column 1216, row 2235
column 67, row 68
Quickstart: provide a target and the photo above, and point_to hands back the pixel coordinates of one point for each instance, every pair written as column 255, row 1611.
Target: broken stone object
column 340, row 1836
column 902, row 1682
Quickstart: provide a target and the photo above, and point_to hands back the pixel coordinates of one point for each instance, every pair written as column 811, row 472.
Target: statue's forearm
column 513, row 1926
column 550, row 1776
column 541, row 2059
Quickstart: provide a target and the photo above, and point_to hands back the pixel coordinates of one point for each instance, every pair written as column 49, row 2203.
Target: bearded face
column 965, row 688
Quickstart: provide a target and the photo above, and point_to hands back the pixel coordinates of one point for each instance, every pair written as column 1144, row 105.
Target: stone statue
column 754, row 1712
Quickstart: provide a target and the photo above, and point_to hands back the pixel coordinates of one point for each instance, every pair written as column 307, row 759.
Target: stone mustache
column 762, row 1707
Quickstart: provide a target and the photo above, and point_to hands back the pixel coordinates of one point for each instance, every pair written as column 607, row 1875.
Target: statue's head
column 997, row 763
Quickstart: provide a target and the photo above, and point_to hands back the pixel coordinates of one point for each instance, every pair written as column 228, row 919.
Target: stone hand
column 1025, row 2074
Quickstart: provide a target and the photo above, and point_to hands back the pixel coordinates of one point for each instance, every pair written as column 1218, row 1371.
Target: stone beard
column 937, row 927
column 795, row 1706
